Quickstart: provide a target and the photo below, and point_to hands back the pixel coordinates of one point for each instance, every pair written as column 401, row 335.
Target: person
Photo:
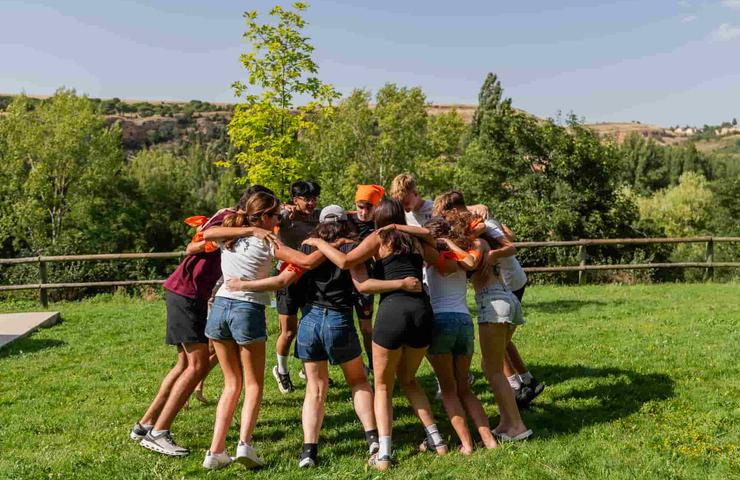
column 499, row 313
column 299, row 219
column 366, row 197
column 526, row 387
column 326, row 333
column 236, row 323
column 419, row 211
column 451, row 350
column 187, row 291
column 403, row 326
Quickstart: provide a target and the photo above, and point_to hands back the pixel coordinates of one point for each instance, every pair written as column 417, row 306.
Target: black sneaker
column 283, row 381
column 529, row 392
column 308, row 460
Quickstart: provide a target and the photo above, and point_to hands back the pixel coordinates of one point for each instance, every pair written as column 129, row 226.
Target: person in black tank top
column 366, row 197
column 403, row 327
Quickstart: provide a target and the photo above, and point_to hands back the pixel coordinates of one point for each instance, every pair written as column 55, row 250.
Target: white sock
column 282, row 364
column 385, row 446
column 514, row 381
column 148, row 426
column 434, row 433
column 525, row 377
column 156, row 433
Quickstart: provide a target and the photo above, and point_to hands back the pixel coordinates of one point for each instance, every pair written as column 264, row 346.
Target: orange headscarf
column 369, row 193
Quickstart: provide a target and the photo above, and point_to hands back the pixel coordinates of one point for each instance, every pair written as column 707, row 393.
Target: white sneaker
column 246, row 455
column 302, row 374
column 438, row 393
column 214, row 461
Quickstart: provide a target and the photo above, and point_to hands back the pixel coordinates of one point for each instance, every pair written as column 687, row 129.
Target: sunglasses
column 278, row 215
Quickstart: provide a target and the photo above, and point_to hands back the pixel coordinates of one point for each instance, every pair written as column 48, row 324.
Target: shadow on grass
column 564, row 306
column 598, row 395
column 29, row 345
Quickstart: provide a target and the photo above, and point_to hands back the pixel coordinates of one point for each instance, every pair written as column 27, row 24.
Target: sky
column 660, row 62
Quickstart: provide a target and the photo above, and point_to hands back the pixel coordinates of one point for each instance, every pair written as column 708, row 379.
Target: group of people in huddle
column 417, row 255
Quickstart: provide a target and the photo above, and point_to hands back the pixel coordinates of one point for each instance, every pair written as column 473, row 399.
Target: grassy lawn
column 642, row 382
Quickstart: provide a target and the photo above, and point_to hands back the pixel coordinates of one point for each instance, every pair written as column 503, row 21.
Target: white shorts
column 498, row 305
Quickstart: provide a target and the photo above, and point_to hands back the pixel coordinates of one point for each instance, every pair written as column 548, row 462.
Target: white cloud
column 688, row 19
column 731, row 4
column 725, row 32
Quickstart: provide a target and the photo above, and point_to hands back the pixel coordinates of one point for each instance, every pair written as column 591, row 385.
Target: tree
column 56, row 159
column 683, row 210
column 266, row 127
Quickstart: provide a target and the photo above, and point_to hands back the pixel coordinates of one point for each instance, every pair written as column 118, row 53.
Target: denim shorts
column 496, row 304
column 237, row 320
column 454, row 334
column 326, row 334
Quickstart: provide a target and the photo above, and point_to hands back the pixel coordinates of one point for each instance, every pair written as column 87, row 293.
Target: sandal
column 517, row 438
column 428, row 446
column 380, row 464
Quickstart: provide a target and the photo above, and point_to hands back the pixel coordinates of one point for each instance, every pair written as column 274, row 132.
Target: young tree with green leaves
column 266, row 127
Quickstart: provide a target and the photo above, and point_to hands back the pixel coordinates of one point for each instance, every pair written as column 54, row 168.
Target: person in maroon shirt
column 187, row 292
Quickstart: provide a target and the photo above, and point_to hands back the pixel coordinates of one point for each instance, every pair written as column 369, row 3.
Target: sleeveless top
column 398, row 267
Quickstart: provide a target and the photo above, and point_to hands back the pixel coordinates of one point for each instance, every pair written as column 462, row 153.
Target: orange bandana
column 195, row 222
column 369, row 193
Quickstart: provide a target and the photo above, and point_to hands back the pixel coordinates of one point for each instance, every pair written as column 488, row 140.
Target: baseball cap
column 332, row 213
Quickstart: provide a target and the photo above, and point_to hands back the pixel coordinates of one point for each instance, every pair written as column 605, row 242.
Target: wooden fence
column 708, row 264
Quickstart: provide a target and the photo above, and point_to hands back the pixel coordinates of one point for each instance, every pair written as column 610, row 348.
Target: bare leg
column 362, row 394
column 152, row 413
column 472, row 404
column 212, row 362
column 385, row 363
column 514, row 359
column 317, row 384
column 288, row 328
column 253, row 365
column 197, row 356
column 493, row 340
column 228, row 356
column 444, row 369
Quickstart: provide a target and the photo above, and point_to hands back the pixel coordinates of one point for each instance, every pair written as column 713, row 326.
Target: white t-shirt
column 421, row 216
column 511, row 271
column 251, row 259
column 448, row 293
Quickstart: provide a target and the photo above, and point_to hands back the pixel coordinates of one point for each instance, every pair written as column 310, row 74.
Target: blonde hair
column 402, row 185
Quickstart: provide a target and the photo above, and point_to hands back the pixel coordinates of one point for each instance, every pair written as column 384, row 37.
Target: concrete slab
column 18, row 325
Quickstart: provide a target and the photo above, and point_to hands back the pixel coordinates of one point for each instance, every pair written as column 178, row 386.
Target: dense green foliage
column 642, row 382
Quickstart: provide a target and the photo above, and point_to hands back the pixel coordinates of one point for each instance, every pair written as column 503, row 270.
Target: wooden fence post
column 43, row 294
column 709, row 258
column 582, row 254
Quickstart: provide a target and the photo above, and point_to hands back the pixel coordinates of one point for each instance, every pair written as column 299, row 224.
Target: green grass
column 642, row 382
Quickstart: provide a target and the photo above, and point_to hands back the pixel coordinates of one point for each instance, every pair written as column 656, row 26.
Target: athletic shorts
column 454, row 334
column 289, row 300
column 186, row 319
column 404, row 320
column 520, row 293
column 237, row 320
column 498, row 305
column 326, row 334
column 364, row 304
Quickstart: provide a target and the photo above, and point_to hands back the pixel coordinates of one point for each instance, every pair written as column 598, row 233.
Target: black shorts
column 364, row 304
column 290, row 300
column 404, row 320
column 186, row 319
column 520, row 293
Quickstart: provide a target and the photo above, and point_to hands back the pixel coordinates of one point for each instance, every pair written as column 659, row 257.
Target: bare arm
column 366, row 285
column 467, row 261
column 269, row 284
column 299, row 259
column 195, row 247
column 419, row 232
column 433, row 257
column 366, row 249
column 227, row 233
column 509, row 234
column 479, row 209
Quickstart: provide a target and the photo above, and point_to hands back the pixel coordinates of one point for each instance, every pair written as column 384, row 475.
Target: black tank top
column 328, row 285
column 398, row 267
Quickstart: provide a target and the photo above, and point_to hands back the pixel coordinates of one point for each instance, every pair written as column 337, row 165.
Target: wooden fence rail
column 709, row 264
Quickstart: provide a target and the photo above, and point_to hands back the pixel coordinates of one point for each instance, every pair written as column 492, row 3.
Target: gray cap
column 332, row 213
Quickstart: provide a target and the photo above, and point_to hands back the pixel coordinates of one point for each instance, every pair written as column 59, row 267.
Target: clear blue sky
column 662, row 62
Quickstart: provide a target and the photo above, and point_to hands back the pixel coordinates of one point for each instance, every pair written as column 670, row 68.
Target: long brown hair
column 258, row 204
column 456, row 229
column 390, row 211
